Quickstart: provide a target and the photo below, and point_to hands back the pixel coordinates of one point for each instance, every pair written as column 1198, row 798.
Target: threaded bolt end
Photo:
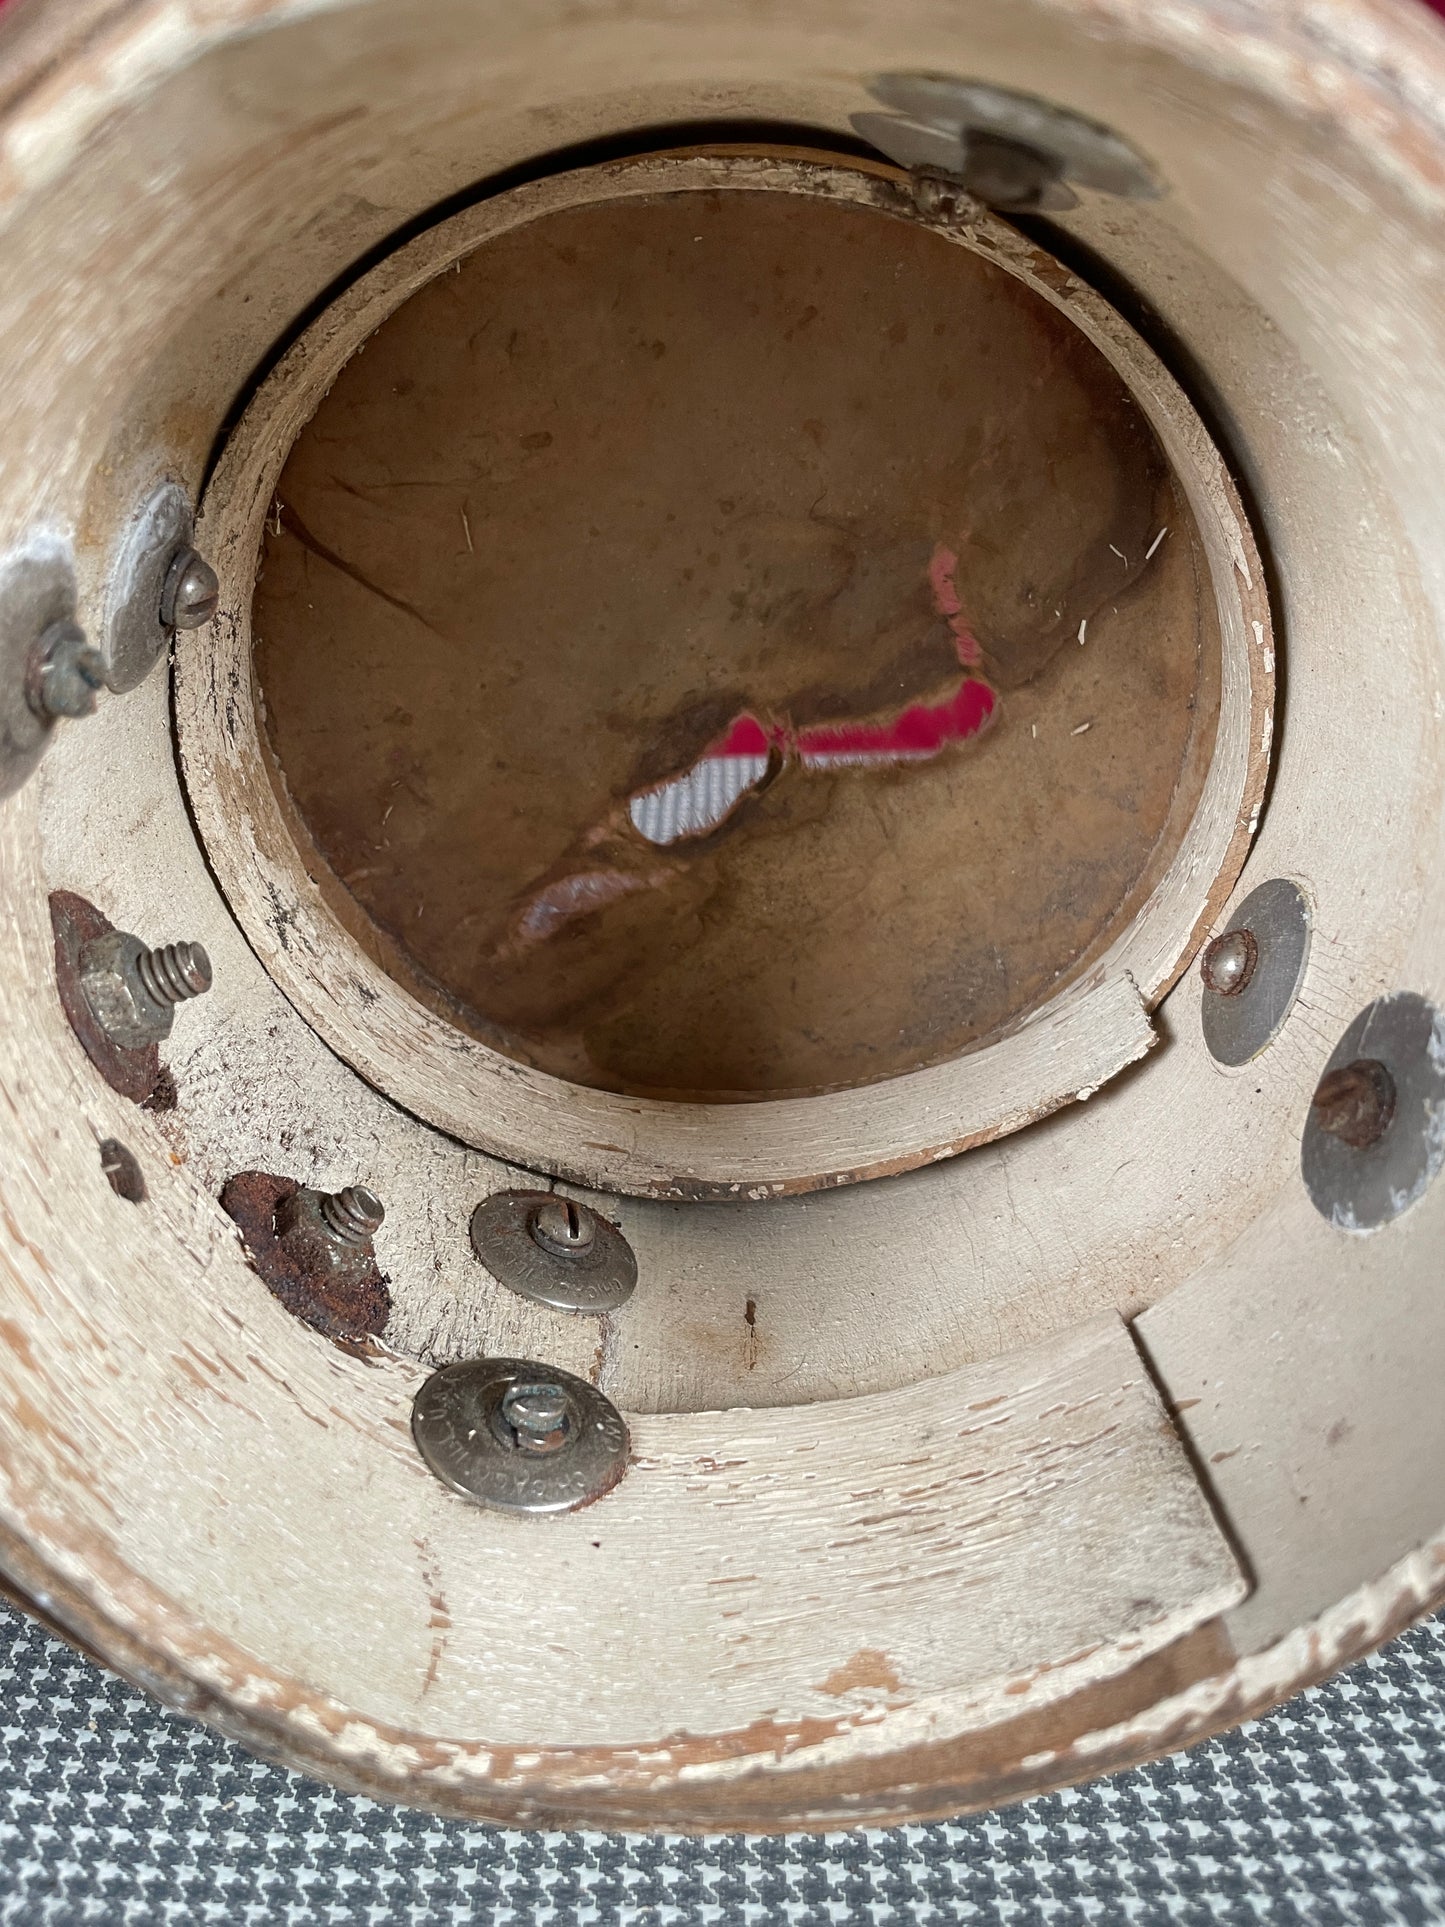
column 174, row 972
column 64, row 673
column 352, row 1215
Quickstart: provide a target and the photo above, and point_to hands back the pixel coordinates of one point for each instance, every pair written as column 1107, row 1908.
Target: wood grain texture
column 166, row 206
column 803, row 1580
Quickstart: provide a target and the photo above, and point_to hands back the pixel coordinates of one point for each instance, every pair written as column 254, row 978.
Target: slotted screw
column 564, row 1228
column 191, row 592
column 538, row 1414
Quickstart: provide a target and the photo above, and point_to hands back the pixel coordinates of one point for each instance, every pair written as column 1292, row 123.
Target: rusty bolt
column 564, row 1228
column 1356, row 1102
column 191, row 592
column 335, row 1224
column 132, row 990
column 327, row 1235
column 538, row 1414
column 63, row 672
column 1228, row 963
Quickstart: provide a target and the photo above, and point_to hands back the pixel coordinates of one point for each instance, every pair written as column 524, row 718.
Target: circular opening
column 722, row 645
column 1273, row 1336
column 580, row 799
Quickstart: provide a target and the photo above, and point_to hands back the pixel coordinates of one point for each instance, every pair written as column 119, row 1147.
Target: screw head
column 1372, row 1144
column 122, row 1172
column 1355, row 1102
column 1254, row 972
column 519, row 1435
column 564, row 1228
column 64, row 672
column 191, row 593
column 1229, row 963
column 538, row 1414
column 553, row 1251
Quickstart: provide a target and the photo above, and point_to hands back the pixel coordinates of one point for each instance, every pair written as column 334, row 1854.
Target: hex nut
column 64, row 672
column 123, row 1007
column 335, row 1287
column 131, row 989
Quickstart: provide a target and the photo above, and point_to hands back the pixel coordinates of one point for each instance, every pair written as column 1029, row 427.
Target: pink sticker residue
column 941, row 572
column 921, row 731
column 701, row 799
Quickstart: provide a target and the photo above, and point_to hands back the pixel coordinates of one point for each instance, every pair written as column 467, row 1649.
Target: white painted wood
column 794, row 1577
column 178, row 1459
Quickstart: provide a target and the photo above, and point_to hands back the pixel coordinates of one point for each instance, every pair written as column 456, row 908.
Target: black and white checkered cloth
column 1331, row 1810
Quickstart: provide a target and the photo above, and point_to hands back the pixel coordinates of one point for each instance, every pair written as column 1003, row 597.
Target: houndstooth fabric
column 1330, row 1810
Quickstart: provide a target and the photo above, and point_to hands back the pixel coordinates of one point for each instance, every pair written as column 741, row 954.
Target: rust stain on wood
column 350, row 1308
column 136, row 1074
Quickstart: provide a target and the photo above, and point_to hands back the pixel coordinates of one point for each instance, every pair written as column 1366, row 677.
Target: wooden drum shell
column 945, row 1488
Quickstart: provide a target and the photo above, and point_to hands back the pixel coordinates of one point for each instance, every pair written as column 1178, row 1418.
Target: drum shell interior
column 179, row 1451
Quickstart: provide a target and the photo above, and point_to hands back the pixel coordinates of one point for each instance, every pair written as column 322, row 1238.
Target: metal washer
column 598, row 1279
column 933, row 116
column 135, row 638
column 37, row 589
column 1360, row 1190
column 1238, row 1027
column 454, row 1422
